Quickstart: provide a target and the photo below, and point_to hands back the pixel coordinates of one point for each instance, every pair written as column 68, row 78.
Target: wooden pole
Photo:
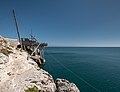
column 16, row 25
column 35, row 49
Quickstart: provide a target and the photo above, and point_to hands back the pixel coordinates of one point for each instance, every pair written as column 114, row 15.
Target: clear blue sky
column 64, row 22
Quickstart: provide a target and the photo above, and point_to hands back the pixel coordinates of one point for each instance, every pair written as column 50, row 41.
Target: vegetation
column 34, row 89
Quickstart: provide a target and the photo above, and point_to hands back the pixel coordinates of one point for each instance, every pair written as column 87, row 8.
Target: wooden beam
column 16, row 25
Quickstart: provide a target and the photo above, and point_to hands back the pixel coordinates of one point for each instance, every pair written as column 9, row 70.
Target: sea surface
column 92, row 69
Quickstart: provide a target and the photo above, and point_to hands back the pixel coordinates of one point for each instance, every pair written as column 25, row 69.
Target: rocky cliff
column 17, row 74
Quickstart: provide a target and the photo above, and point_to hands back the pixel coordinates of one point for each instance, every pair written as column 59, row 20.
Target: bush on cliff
column 34, row 89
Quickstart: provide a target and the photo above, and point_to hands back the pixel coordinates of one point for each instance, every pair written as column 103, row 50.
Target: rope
column 75, row 74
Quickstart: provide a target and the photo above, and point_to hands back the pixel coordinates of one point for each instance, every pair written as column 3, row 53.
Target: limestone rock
column 3, row 58
column 7, row 46
column 65, row 86
column 17, row 73
column 20, row 74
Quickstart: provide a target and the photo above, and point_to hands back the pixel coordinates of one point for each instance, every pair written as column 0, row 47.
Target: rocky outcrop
column 18, row 74
column 65, row 86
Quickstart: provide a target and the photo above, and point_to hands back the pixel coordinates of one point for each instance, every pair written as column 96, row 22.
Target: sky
column 64, row 22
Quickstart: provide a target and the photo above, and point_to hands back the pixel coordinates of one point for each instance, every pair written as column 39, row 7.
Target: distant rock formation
column 18, row 74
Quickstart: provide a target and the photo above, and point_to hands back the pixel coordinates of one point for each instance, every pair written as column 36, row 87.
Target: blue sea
column 92, row 69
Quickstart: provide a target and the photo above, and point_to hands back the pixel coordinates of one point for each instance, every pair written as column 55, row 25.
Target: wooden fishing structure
column 31, row 45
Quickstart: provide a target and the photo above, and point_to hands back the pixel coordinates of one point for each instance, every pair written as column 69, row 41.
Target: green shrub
column 34, row 89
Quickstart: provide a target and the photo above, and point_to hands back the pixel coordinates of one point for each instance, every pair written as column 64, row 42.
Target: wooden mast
column 16, row 25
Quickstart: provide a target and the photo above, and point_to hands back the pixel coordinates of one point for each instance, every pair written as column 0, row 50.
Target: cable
column 75, row 74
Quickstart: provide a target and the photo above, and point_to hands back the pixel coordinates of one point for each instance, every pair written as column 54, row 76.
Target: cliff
column 17, row 74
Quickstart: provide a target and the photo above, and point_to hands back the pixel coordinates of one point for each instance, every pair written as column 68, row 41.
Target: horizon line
column 87, row 46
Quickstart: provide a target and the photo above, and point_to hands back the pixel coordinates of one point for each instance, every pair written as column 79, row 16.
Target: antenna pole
column 16, row 25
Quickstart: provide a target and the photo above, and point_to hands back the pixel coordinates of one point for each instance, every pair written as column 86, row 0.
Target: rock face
column 65, row 86
column 17, row 74
column 3, row 58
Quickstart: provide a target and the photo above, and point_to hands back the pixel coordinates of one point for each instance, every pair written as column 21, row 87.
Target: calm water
column 100, row 67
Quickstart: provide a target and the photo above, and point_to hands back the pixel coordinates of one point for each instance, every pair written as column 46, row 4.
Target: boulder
column 65, row 86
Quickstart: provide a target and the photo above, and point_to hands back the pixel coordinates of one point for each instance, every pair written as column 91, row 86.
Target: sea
column 92, row 69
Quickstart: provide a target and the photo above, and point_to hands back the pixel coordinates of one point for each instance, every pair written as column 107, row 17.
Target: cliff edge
column 17, row 74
